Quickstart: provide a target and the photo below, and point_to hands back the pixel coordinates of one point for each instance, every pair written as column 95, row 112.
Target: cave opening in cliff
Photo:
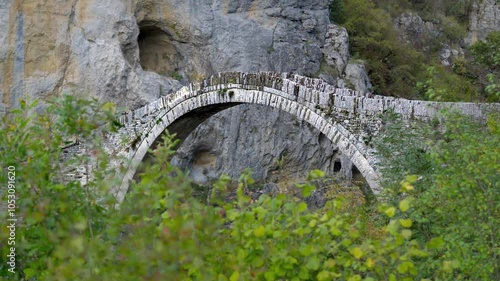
column 157, row 52
column 337, row 166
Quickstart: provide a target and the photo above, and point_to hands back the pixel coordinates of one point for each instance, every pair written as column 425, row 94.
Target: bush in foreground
column 67, row 231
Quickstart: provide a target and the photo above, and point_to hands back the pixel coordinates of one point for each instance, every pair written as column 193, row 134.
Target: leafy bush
column 441, row 85
column 53, row 217
column 68, row 231
column 395, row 67
column 456, row 196
column 487, row 54
column 337, row 11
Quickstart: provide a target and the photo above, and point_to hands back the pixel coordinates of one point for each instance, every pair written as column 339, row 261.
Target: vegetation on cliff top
column 396, row 67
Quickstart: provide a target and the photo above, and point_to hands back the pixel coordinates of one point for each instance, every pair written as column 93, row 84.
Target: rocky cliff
column 484, row 18
column 132, row 52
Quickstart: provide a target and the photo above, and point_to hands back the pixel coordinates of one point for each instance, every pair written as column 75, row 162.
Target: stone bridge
column 348, row 118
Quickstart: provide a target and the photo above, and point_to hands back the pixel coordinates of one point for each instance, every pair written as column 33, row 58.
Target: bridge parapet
column 314, row 92
column 349, row 119
column 358, row 113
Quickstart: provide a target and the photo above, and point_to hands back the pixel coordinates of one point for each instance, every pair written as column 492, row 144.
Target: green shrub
column 442, row 224
column 177, row 75
column 337, row 11
column 456, row 195
column 441, row 85
column 395, row 67
column 162, row 232
column 486, row 56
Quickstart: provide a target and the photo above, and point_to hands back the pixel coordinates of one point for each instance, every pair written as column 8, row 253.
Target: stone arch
column 185, row 110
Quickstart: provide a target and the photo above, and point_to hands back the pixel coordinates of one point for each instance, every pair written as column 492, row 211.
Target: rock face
column 101, row 49
column 342, row 70
column 336, row 48
column 131, row 52
column 214, row 36
column 357, row 76
column 283, row 143
column 414, row 30
column 484, row 18
column 449, row 54
column 75, row 47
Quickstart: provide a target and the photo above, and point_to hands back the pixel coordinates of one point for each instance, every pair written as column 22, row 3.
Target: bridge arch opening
column 189, row 109
column 281, row 157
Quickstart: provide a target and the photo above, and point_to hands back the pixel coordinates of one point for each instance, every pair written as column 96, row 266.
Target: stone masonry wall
column 346, row 117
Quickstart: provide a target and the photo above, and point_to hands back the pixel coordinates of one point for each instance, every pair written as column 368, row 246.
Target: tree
column 337, row 11
column 487, row 54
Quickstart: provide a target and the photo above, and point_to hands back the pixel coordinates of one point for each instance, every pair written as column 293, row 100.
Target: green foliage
column 394, row 7
column 402, row 149
column 52, row 216
column 162, row 232
column 222, row 91
column 452, row 31
column 395, row 67
column 441, row 85
column 455, row 197
column 469, row 212
column 487, row 54
column 357, row 11
column 459, row 9
column 176, row 75
column 337, row 11
column 432, row 9
column 440, row 222
column 493, row 89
